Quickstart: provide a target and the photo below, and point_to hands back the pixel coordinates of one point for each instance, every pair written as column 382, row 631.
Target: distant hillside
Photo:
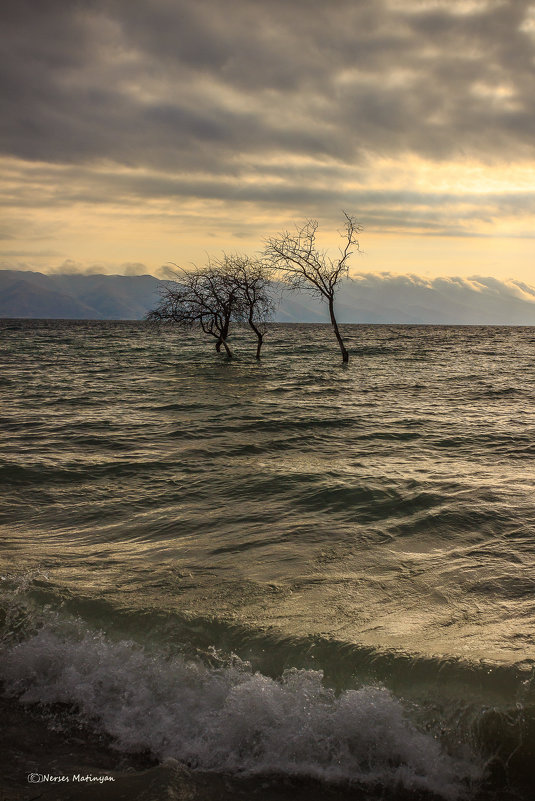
column 367, row 298
column 76, row 297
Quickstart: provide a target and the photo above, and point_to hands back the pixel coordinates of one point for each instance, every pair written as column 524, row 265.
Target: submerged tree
column 207, row 299
column 253, row 280
column 231, row 289
column 305, row 266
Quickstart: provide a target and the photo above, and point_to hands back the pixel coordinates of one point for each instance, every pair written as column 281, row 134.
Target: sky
column 134, row 133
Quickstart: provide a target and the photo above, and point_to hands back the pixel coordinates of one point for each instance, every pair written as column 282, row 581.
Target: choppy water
column 286, row 566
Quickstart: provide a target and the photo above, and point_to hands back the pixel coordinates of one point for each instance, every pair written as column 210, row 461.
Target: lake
column 285, row 570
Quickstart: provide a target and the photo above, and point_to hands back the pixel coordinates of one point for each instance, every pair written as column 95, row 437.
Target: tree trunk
column 259, row 345
column 227, row 349
column 222, row 340
column 259, row 337
column 345, row 354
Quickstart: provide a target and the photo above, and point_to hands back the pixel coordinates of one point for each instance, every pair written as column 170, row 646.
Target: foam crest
column 227, row 718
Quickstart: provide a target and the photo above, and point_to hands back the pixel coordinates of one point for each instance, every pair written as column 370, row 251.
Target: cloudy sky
column 137, row 132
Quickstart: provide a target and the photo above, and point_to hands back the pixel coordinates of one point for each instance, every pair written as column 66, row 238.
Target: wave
column 227, row 718
column 172, row 686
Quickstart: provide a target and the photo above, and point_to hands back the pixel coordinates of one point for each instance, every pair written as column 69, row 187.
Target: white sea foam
column 228, row 718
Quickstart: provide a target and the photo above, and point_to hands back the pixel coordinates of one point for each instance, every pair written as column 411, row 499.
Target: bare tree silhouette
column 253, row 280
column 233, row 289
column 206, row 299
column 305, row 266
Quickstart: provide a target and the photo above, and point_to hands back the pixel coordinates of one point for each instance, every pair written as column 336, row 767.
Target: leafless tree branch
column 304, row 266
column 233, row 288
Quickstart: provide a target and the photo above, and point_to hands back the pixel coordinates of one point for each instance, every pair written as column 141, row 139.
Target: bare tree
column 252, row 278
column 231, row 289
column 304, row 265
column 207, row 299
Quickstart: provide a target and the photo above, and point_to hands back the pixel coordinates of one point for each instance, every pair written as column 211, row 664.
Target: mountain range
column 366, row 298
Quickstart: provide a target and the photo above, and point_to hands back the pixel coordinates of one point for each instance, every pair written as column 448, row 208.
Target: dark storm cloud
column 276, row 103
column 144, row 83
column 73, row 72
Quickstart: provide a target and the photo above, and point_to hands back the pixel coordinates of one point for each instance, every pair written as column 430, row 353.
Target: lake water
column 278, row 568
